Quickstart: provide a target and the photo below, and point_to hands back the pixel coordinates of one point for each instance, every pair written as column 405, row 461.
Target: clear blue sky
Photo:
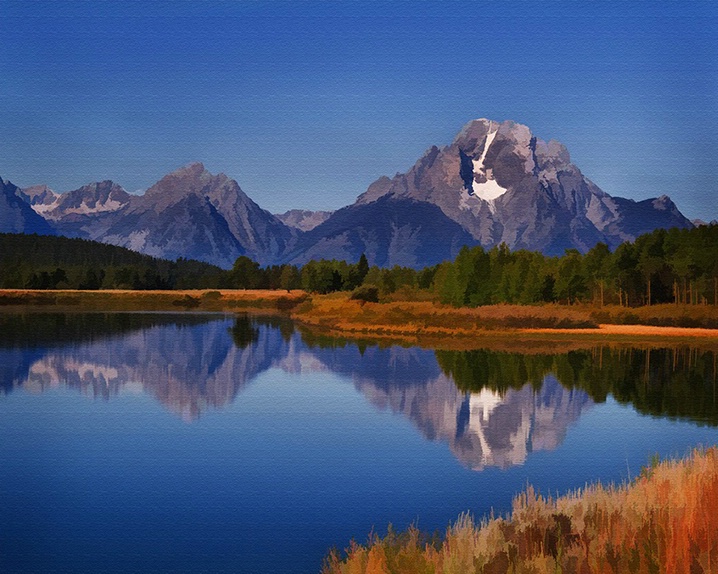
column 306, row 103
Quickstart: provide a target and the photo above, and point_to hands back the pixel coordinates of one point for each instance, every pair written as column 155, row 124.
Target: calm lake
column 212, row 443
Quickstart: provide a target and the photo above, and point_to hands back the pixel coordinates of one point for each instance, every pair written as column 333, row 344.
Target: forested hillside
column 47, row 262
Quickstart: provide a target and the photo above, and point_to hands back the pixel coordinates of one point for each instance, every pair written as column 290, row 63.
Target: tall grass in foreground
column 664, row 521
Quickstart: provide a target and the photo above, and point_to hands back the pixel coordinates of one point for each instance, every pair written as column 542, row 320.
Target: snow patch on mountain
column 43, row 209
column 483, row 403
column 479, row 163
column 488, row 190
column 85, row 209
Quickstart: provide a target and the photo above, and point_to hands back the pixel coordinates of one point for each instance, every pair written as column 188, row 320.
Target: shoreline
column 423, row 323
column 523, row 341
column 638, row 330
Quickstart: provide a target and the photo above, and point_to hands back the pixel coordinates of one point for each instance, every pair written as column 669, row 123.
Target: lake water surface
column 214, row 443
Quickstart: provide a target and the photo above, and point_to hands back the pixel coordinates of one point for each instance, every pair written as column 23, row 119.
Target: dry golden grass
column 431, row 324
column 642, row 331
column 338, row 312
column 666, row 521
column 687, row 316
column 128, row 300
column 427, row 322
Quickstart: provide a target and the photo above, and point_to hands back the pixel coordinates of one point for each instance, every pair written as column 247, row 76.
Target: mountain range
column 495, row 183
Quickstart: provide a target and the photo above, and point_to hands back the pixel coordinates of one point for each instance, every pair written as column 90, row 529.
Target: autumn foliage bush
column 665, row 521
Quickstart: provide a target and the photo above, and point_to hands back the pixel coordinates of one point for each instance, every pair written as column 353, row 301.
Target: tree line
column 50, row 262
column 664, row 266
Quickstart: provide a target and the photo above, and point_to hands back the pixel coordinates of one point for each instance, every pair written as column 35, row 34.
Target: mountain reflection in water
column 492, row 408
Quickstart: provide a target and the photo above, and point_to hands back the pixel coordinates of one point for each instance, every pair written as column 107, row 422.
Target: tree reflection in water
column 492, row 407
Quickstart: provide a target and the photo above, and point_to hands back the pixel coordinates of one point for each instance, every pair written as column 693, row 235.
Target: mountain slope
column 503, row 184
column 16, row 215
column 39, row 197
column 175, row 218
column 303, row 219
column 189, row 213
column 81, row 212
column 389, row 231
column 91, row 199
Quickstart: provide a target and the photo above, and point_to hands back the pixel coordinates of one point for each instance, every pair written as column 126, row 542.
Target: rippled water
column 210, row 443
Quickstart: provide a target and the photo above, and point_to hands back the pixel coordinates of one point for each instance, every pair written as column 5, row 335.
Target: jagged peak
column 39, row 194
column 303, row 219
column 476, row 129
column 486, row 122
column 484, row 126
column 40, row 188
column 190, row 178
column 196, row 171
column 195, row 181
column 105, row 184
column 663, row 202
column 192, row 167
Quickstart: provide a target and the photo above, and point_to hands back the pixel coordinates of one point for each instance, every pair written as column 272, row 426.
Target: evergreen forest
column 664, row 266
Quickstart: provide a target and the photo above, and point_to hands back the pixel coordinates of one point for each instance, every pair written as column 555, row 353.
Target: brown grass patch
column 686, row 316
column 338, row 312
column 511, row 327
column 128, row 300
column 644, row 331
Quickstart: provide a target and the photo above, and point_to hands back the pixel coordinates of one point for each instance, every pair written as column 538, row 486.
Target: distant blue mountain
column 16, row 215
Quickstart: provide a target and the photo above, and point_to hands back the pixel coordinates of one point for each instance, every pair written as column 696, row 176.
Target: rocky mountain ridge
column 303, row 219
column 18, row 216
column 502, row 184
column 495, row 183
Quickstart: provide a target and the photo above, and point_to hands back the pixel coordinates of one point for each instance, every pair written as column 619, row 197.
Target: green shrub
column 366, row 293
column 187, row 301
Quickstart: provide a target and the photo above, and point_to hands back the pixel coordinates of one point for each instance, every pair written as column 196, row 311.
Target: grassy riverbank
column 662, row 522
column 337, row 311
column 426, row 322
